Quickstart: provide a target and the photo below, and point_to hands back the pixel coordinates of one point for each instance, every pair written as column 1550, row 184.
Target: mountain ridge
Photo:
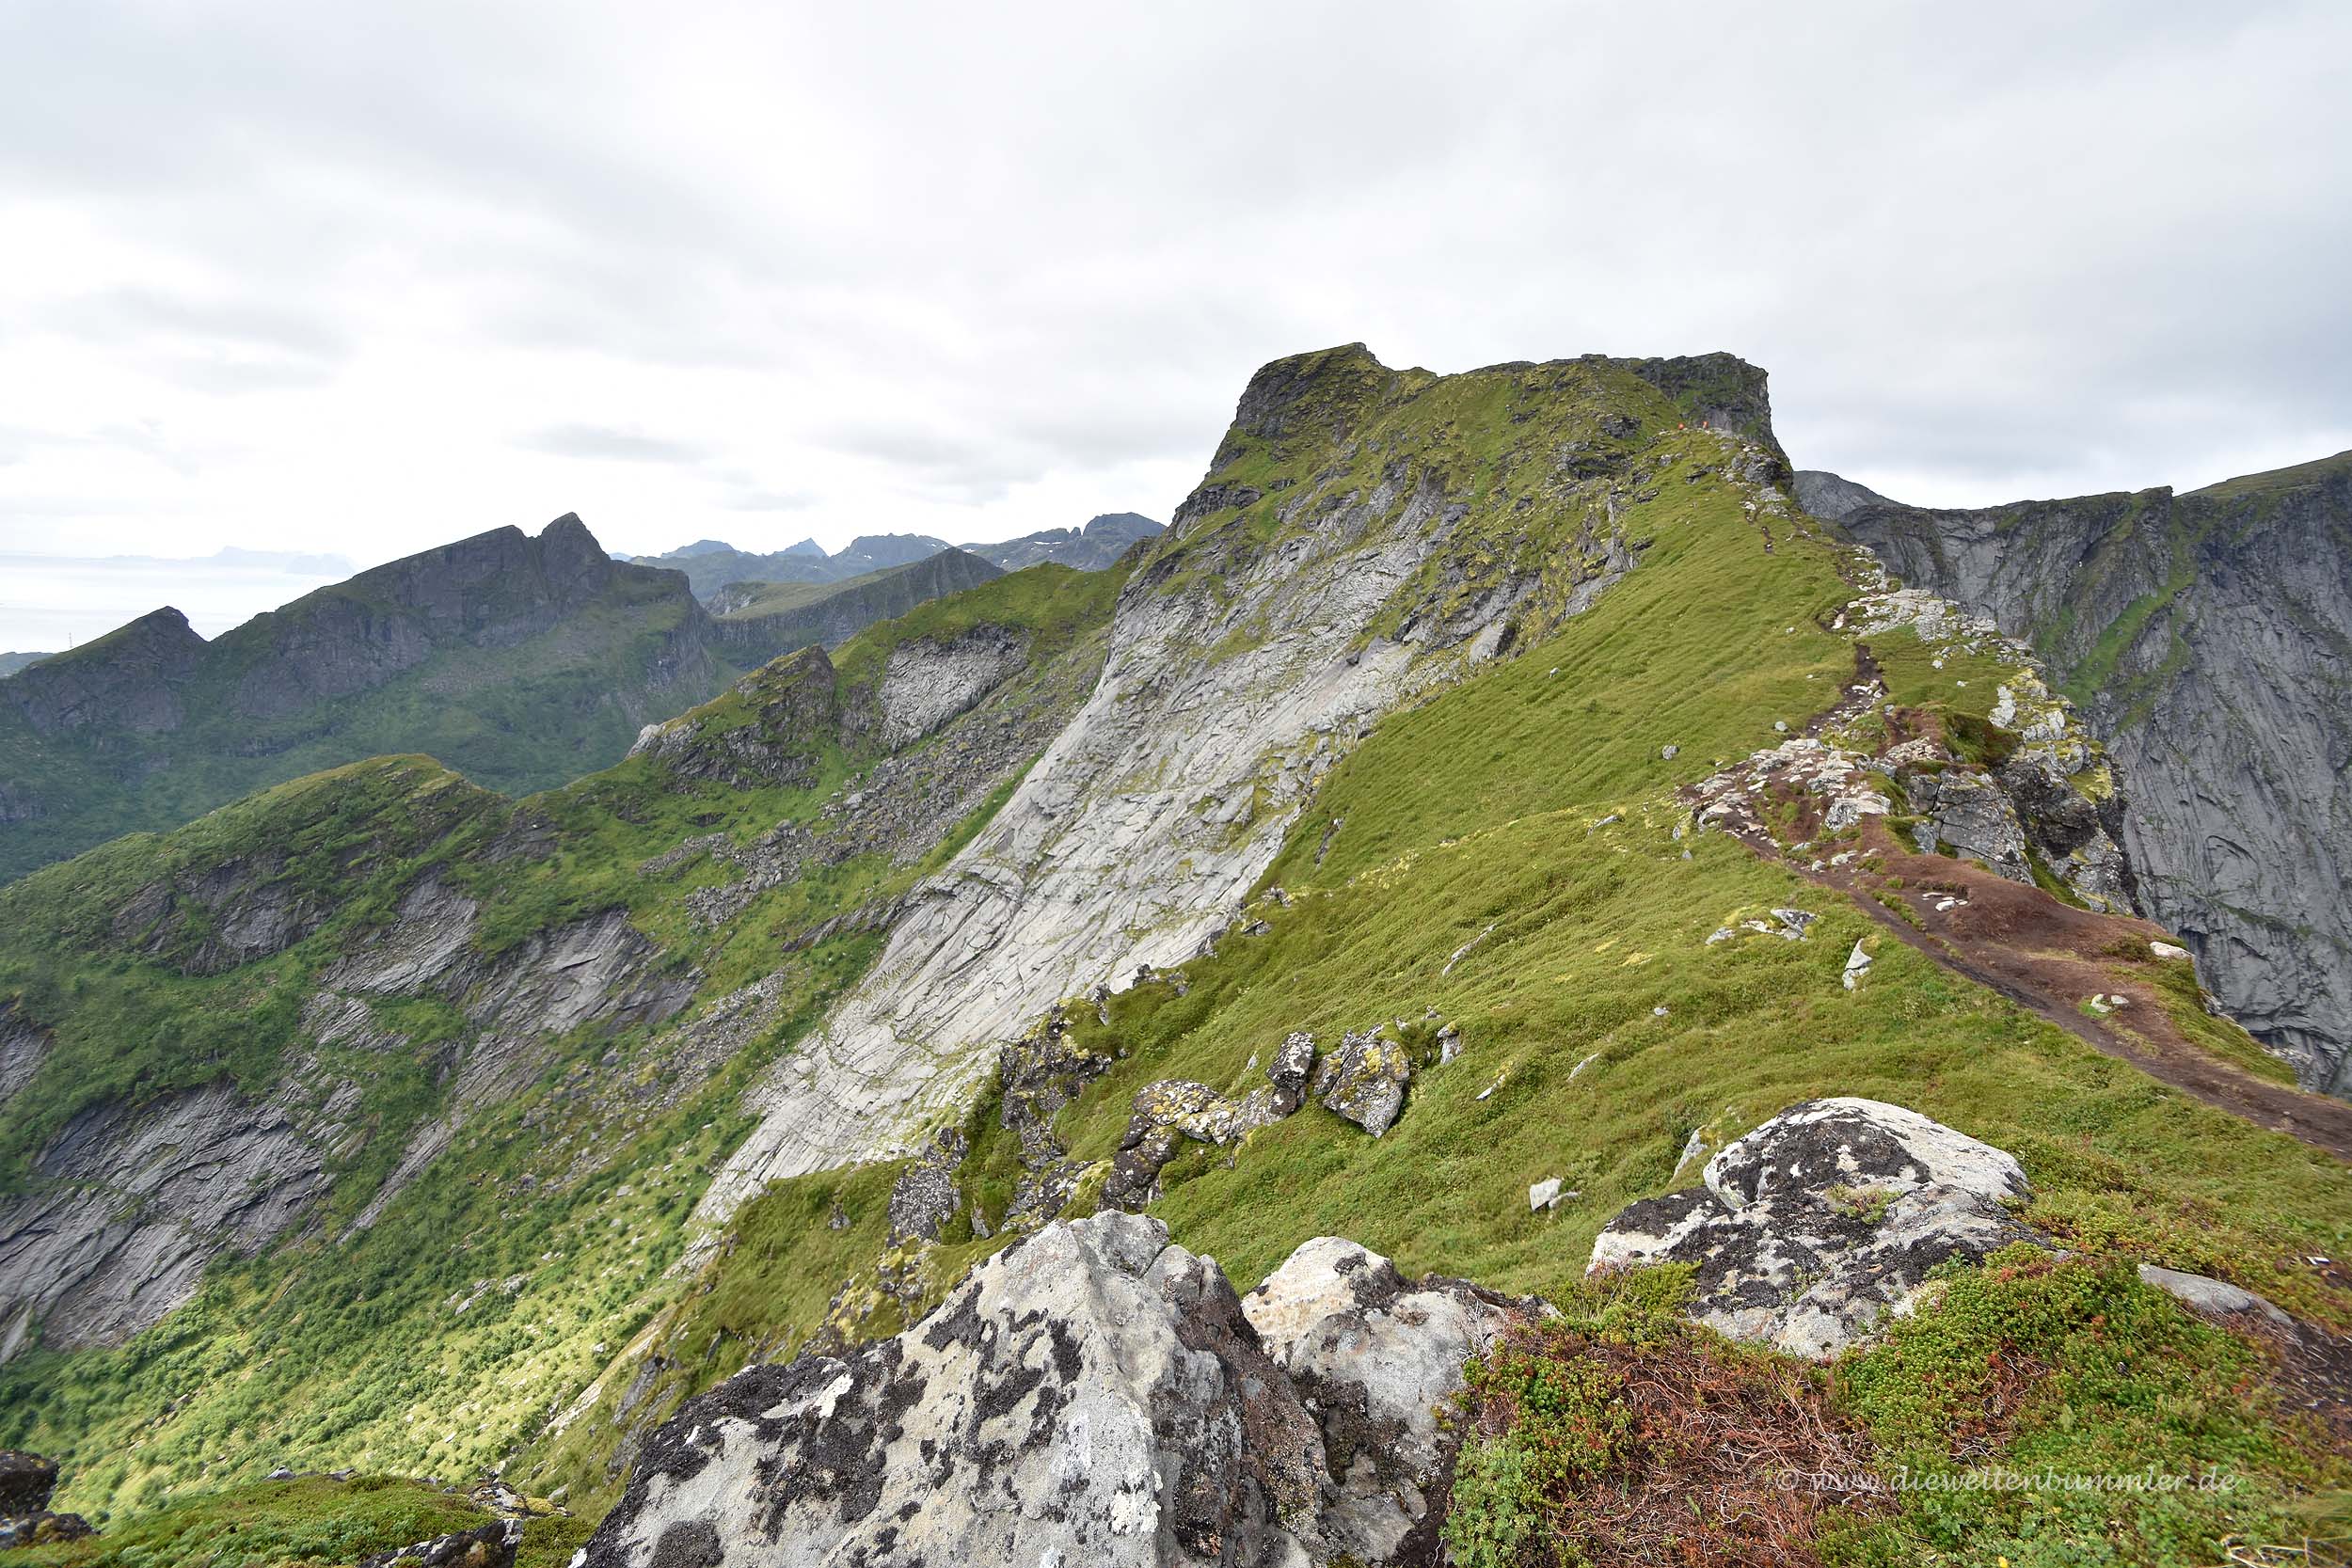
column 1491, row 801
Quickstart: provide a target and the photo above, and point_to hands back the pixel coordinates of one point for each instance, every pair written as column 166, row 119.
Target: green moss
column 313, row 1520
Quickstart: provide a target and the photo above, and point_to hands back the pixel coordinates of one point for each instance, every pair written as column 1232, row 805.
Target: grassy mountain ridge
column 519, row 661
column 1510, row 853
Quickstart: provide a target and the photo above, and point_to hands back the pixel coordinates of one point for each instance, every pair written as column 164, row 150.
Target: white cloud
column 296, row 278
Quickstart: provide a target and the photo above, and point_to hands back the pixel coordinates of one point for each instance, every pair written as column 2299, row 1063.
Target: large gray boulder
column 1821, row 1221
column 1093, row 1396
column 1363, row 1079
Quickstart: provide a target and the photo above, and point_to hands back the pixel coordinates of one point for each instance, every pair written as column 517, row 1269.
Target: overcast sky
column 360, row 280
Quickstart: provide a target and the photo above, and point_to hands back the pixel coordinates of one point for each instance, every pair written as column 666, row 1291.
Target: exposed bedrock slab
column 1822, row 1220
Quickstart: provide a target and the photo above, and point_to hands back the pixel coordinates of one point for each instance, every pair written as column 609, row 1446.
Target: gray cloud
column 966, row 275
column 625, row 445
column 770, row 500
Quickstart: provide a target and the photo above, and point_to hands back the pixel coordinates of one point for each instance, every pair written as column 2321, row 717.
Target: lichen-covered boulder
column 41, row 1529
column 1822, row 1220
column 1293, row 1063
column 1377, row 1358
column 1092, row 1396
column 1363, row 1079
column 490, row 1545
column 1173, row 1109
column 925, row 1196
column 27, row 1481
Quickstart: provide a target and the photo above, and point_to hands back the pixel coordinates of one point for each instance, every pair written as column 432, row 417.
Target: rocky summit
column 1523, row 984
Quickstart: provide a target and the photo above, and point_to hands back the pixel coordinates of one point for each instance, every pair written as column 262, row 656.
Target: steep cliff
column 771, row 618
column 2208, row 638
column 521, row 661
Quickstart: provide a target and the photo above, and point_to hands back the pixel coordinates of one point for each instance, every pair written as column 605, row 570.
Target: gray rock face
column 1378, row 1360
column 1363, row 1079
column 2209, row 638
column 928, row 683
column 1822, row 1220
column 135, row 1201
column 1092, row 1397
column 133, row 677
column 24, row 1046
column 1969, row 816
column 760, row 620
column 1143, row 826
column 1828, row 497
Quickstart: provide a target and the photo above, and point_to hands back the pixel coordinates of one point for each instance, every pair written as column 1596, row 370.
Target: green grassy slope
column 1531, row 802
column 498, row 1283
column 515, row 715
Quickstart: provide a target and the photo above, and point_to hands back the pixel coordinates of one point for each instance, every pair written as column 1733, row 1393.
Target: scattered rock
column 1857, row 964
column 1669, row 753
column 1363, row 1080
column 2167, row 950
column 1544, row 1194
column 1813, row 1227
column 2211, row 1297
column 490, row 1545
column 1464, row 951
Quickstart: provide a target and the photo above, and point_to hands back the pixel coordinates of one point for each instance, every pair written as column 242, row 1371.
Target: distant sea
column 49, row 603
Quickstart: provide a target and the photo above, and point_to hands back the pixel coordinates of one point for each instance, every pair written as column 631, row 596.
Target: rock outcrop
column 27, row 1480
column 760, row 620
column 1244, row 662
column 1823, row 1220
column 1094, row 1394
column 2208, row 638
column 136, row 1201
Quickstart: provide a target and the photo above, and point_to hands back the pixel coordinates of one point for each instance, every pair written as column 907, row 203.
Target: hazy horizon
column 293, row 281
